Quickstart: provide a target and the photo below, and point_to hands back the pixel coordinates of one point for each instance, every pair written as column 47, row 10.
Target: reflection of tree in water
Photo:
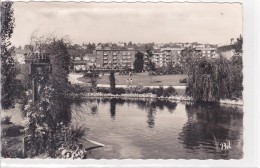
column 150, row 116
column 208, row 125
column 147, row 105
column 113, row 108
column 113, row 104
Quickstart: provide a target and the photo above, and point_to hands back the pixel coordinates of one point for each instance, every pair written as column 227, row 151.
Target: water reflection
column 113, row 103
column 150, row 106
column 208, row 125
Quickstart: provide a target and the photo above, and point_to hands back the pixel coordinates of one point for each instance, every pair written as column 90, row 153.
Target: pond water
column 155, row 129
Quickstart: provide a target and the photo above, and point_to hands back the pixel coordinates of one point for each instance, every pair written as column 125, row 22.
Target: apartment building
column 111, row 58
column 166, row 56
column 83, row 63
column 207, row 52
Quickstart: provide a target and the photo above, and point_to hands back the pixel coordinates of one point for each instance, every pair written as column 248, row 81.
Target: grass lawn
column 141, row 78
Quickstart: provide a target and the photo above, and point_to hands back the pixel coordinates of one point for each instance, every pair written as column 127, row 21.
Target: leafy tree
column 150, row 64
column 187, row 55
column 237, row 71
column 112, row 82
column 7, row 61
column 238, row 46
column 139, row 62
column 211, row 79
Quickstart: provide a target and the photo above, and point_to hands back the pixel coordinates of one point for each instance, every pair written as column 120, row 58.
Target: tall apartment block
column 166, row 56
column 110, row 58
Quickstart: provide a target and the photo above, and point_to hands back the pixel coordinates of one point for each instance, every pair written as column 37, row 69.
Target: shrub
column 6, row 120
column 120, row 91
column 170, row 91
column 77, row 89
column 145, row 90
column 103, row 90
column 183, row 80
column 11, row 153
column 158, row 91
column 138, row 89
column 12, row 130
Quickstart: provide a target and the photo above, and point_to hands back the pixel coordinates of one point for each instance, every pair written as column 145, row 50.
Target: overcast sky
column 137, row 22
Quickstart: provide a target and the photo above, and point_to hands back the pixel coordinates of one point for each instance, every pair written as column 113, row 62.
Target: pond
column 156, row 129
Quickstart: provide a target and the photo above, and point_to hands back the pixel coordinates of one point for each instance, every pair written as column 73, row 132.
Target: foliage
column 43, row 128
column 6, row 120
column 93, row 84
column 237, row 71
column 170, row 91
column 187, row 56
column 150, row 66
column 11, row 153
column 112, row 82
column 238, row 46
column 7, row 61
column 211, row 79
column 139, row 62
column 158, row 91
column 11, row 130
column 103, row 90
column 185, row 80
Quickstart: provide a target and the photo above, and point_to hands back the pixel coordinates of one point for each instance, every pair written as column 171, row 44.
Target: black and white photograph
column 88, row 80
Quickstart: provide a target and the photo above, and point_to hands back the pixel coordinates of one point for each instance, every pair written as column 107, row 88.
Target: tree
column 7, row 61
column 112, row 82
column 139, row 62
column 53, row 106
column 150, row 64
column 211, row 79
column 238, row 46
column 187, row 55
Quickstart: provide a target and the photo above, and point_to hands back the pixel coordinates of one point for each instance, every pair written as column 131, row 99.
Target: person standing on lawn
column 131, row 82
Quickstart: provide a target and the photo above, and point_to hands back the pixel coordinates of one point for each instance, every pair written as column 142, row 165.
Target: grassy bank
column 141, row 78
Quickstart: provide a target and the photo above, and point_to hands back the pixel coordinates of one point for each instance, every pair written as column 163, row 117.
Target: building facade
column 112, row 58
column 83, row 63
column 167, row 56
column 207, row 52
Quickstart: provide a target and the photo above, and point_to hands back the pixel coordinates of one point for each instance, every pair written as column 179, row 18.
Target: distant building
column 166, row 56
column 158, row 59
column 227, row 51
column 111, row 58
column 207, row 52
column 83, row 63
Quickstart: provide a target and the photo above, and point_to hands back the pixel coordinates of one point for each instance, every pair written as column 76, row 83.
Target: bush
column 77, row 89
column 11, row 130
column 170, row 91
column 11, row 152
column 120, row 91
column 183, row 80
column 6, row 120
column 103, row 90
column 145, row 90
column 157, row 91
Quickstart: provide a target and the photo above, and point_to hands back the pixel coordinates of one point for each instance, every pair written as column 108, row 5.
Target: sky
column 214, row 23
